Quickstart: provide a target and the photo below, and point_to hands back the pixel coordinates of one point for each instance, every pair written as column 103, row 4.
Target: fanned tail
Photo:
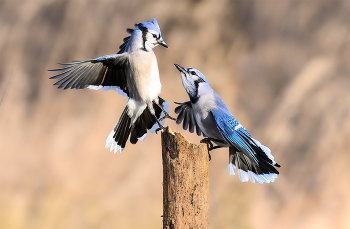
column 147, row 121
column 138, row 130
column 260, row 170
column 120, row 134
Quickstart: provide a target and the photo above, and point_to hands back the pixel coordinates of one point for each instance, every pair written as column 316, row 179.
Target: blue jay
column 208, row 114
column 132, row 72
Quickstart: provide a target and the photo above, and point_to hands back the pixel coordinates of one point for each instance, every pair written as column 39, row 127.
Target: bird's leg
column 150, row 108
column 166, row 114
column 208, row 142
column 215, row 147
column 160, row 127
column 209, row 145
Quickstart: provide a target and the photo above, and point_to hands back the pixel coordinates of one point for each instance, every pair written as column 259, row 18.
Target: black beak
column 181, row 69
column 163, row 43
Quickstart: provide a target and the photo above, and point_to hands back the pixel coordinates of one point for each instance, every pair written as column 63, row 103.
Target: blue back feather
column 239, row 138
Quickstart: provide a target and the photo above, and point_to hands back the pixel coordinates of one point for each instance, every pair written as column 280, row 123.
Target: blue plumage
column 209, row 114
column 236, row 137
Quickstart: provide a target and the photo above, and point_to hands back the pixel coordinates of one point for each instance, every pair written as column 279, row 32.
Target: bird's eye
column 155, row 36
column 193, row 73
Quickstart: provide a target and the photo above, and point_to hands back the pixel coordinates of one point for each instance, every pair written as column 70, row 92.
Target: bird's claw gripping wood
column 160, row 128
column 208, row 141
column 209, row 145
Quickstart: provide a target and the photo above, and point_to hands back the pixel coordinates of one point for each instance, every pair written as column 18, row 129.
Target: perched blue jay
column 209, row 115
column 132, row 72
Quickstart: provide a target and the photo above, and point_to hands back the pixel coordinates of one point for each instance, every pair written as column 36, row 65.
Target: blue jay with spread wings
column 208, row 114
column 132, row 72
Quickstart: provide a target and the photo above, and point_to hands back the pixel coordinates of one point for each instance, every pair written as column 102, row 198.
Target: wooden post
column 185, row 182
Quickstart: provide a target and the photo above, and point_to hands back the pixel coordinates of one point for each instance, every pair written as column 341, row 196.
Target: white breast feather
column 146, row 75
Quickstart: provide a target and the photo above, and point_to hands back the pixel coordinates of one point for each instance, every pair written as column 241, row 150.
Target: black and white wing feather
column 106, row 73
column 185, row 115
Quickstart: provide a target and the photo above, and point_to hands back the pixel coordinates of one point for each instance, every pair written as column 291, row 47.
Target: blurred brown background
column 282, row 67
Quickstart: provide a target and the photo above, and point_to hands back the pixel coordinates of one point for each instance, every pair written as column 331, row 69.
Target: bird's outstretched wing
column 185, row 114
column 251, row 155
column 106, row 73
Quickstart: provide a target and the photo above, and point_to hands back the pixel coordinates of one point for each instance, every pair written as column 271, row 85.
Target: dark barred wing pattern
column 106, row 73
column 253, row 160
column 185, row 115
